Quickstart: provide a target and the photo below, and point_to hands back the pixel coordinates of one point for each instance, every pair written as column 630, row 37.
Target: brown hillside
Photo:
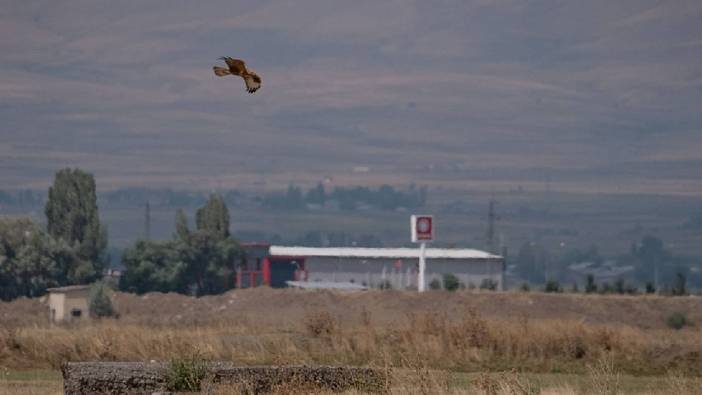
column 273, row 306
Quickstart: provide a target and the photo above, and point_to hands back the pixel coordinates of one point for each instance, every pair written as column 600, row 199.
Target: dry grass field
column 450, row 342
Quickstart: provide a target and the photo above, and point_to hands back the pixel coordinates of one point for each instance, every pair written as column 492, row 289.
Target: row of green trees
column 22, row 198
column 71, row 248
column 386, row 197
column 157, row 196
column 69, row 251
column 652, row 263
column 198, row 262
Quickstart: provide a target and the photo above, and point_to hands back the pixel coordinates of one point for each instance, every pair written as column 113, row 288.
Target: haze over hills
column 595, row 96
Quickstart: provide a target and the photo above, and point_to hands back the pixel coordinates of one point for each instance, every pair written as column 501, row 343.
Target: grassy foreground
column 472, row 343
column 434, row 343
column 30, row 382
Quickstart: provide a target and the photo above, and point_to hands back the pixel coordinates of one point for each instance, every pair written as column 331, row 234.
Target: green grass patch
column 584, row 383
column 30, row 375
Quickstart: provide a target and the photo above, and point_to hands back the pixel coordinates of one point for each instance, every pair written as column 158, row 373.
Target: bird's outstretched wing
column 220, row 71
column 236, row 66
column 253, row 82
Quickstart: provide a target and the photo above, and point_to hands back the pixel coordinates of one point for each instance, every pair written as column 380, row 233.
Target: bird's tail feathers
column 220, row 71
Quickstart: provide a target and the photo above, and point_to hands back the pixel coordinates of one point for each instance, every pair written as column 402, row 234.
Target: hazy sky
column 125, row 89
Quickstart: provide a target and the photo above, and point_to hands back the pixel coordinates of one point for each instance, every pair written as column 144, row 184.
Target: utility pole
column 491, row 233
column 147, row 221
column 655, row 275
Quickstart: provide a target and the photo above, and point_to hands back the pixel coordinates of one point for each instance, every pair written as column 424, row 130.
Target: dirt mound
column 24, row 312
column 286, row 306
column 282, row 306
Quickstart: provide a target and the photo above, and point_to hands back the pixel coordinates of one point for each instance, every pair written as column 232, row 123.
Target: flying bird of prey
column 238, row 67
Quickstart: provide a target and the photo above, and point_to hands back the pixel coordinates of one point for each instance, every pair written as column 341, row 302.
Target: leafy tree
column 451, row 282
column 387, row 198
column 680, row 288
column 294, row 197
column 318, row 238
column 553, row 286
column 72, row 215
column 199, row 262
column 590, row 285
column 71, row 268
column 619, row 286
column 182, row 232
column 316, row 195
column 650, row 259
column 213, row 217
column 366, row 240
column 210, row 263
column 532, row 261
column 26, row 268
column 99, row 302
column 31, row 260
column 489, row 284
column 154, row 266
column 435, row 284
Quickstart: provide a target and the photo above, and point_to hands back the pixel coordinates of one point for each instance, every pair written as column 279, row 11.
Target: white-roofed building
column 377, row 267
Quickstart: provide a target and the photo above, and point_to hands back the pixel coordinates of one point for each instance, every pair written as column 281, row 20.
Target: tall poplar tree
column 213, row 217
column 72, row 216
column 182, row 233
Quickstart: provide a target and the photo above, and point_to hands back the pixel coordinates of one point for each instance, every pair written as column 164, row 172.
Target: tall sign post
column 422, row 227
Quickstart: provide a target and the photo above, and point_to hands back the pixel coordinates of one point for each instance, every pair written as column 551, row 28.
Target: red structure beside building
column 260, row 268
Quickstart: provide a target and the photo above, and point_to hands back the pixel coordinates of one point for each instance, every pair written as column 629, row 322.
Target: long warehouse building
column 370, row 267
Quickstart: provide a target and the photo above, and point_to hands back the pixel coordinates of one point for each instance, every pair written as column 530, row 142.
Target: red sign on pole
column 422, row 228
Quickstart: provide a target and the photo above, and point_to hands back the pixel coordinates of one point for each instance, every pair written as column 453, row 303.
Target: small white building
column 379, row 267
column 68, row 304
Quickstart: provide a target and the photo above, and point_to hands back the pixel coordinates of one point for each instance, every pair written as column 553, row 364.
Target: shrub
column 590, row 285
column 525, row 287
column 99, row 302
column 678, row 320
column 451, row 282
column 604, row 377
column 680, row 288
column 619, row 286
column 435, row 284
column 650, row 289
column 385, row 284
column 488, row 284
column 553, row 286
column 186, row 374
column 320, row 324
column 508, row 382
